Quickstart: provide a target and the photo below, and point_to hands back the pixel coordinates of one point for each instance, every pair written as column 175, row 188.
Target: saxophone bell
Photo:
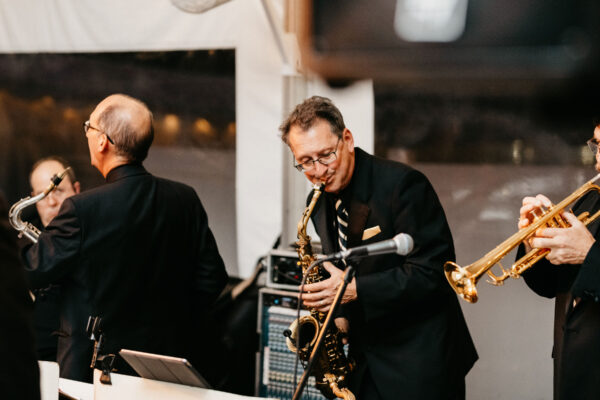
column 303, row 331
column 24, row 228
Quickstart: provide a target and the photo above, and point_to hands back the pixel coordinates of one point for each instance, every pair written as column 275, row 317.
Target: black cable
column 304, row 277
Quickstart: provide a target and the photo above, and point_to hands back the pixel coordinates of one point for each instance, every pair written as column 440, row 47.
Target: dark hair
column 129, row 142
column 61, row 161
column 307, row 113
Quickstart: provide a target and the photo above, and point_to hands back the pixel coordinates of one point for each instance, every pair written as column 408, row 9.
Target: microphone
column 401, row 244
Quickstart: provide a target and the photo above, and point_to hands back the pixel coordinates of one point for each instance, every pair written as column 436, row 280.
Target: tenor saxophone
column 332, row 367
column 27, row 229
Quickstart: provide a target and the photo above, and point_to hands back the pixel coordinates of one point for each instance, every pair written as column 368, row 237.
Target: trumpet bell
column 461, row 280
column 464, row 279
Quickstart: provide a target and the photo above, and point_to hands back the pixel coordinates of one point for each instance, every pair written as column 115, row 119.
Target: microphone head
column 404, row 243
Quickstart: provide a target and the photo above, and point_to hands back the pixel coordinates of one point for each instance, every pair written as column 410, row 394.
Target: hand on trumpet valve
column 532, row 208
column 567, row 245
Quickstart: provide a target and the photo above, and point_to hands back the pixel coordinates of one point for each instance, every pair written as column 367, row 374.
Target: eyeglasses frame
column 593, row 145
column 87, row 126
column 300, row 167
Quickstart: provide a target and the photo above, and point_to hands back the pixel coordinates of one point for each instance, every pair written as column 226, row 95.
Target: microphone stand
column 348, row 275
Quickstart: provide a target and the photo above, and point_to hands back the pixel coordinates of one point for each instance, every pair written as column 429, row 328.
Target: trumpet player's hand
column 320, row 295
column 531, row 206
column 567, row 245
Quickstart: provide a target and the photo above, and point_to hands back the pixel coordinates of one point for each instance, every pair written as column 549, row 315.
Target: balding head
column 128, row 122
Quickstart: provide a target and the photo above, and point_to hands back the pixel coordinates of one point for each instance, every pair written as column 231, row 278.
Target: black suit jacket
column 46, row 311
column 406, row 327
column 576, row 349
column 137, row 252
column 19, row 373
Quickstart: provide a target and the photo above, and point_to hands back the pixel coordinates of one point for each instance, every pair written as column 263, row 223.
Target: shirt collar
column 124, row 171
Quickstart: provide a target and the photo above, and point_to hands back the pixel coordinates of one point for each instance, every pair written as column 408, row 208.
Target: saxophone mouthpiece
column 56, row 180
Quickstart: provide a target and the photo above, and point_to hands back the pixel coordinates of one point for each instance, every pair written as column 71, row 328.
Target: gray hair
column 307, row 113
column 116, row 120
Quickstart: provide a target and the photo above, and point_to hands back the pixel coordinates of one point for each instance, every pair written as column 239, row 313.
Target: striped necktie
column 342, row 224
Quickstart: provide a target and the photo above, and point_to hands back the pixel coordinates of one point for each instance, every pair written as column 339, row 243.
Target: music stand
column 164, row 368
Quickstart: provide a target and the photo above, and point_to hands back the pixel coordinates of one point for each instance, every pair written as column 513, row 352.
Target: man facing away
column 406, row 329
column 136, row 252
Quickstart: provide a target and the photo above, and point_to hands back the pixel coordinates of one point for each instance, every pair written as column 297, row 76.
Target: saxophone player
column 46, row 307
column 41, row 173
column 406, row 329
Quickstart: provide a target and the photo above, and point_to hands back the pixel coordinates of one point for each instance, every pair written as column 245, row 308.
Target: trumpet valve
column 498, row 280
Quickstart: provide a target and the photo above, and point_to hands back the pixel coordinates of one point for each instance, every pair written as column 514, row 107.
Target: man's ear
column 348, row 139
column 77, row 187
column 103, row 144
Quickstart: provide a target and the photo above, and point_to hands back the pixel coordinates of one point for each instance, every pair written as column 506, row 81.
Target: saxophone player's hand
column 320, row 295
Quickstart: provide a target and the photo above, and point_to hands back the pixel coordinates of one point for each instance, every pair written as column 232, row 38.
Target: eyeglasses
column 87, row 127
column 325, row 159
column 593, row 145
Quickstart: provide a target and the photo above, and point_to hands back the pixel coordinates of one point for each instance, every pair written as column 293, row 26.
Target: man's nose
column 320, row 170
column 51, row 199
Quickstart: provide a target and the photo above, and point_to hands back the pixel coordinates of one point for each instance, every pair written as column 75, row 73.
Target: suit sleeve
column 542, row 278
column 57, row 249
column 587, row 283
column 211, row 276
column 418, row 277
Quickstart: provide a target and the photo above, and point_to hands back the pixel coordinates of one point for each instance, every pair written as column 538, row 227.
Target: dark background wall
column 45, row 98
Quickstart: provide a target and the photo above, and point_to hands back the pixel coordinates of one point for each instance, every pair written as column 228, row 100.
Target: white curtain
column 30, row 26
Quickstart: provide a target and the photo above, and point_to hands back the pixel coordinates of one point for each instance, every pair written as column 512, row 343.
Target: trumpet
column 464, row 279
column 25, row 228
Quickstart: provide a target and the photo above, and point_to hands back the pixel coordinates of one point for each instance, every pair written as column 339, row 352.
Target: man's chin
column 332, row 188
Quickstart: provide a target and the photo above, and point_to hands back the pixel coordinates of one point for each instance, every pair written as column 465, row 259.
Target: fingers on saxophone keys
column 311, row 299
column 321, row 305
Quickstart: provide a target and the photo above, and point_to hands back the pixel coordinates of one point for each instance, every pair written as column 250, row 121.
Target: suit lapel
column 591, row 203
column 323, row 221
column 361, row 191
column 594, row 206
column 357, row 220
